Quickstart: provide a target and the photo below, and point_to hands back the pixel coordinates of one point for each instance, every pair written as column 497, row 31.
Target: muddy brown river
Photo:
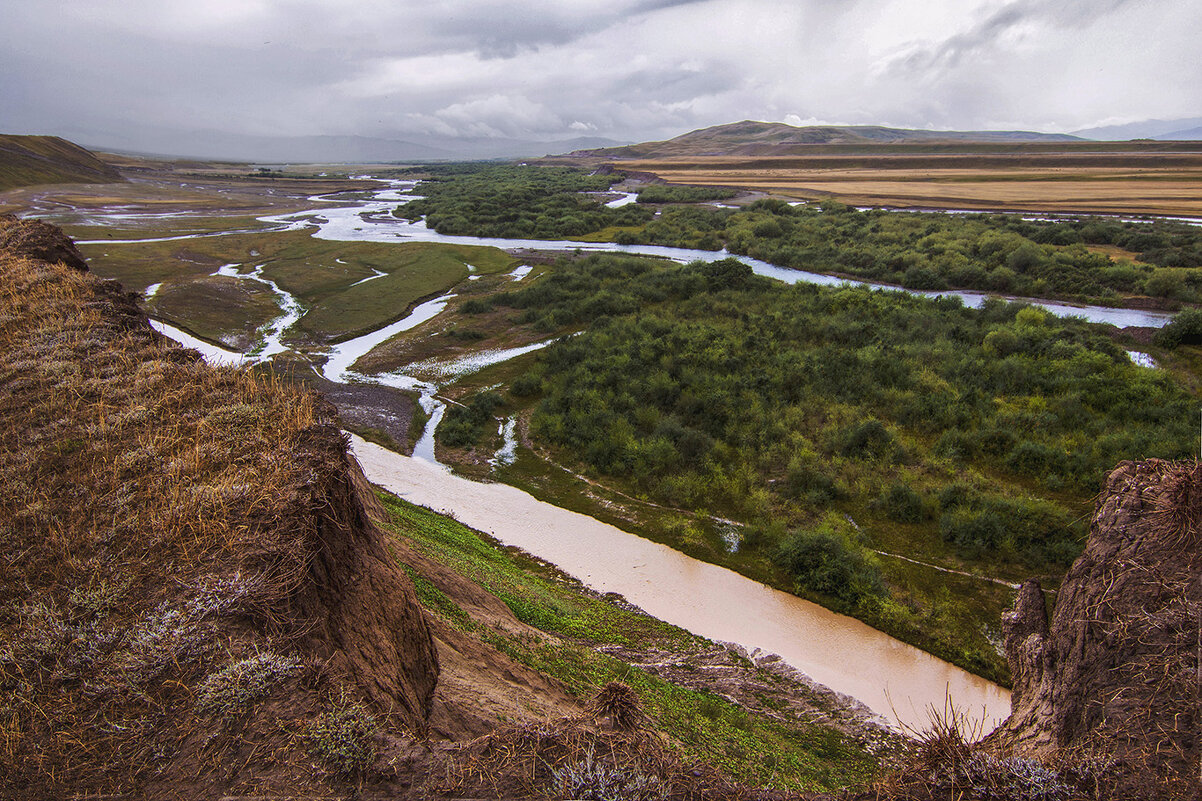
column 897, row 681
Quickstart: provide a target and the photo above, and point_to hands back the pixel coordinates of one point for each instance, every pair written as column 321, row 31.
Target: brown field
column 1122, row 183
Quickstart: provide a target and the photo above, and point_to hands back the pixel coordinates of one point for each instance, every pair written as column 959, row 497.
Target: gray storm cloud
column 629, row 70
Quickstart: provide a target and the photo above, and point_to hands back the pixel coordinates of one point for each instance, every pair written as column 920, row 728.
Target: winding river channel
column 894, row 680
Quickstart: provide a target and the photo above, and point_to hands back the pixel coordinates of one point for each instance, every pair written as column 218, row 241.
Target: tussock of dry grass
column 155, row 513
column 580, row 757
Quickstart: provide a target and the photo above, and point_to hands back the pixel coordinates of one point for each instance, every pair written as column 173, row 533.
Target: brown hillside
column 33, row 160
column 752, row 137
column 193, row 602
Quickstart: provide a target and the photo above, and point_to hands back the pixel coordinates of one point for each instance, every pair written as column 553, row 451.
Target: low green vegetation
column 218, row 308
column 675, row 193
column 752, row 747
column 348, row 288
column 413, row 271
column 838, row 422
column 517, row 202
column 1094, row 259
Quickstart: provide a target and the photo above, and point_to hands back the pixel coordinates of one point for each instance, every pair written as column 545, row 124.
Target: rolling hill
column 32, row 160
column 749, row 138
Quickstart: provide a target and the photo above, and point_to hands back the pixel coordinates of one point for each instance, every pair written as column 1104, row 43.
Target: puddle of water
column 1142, row 359
column 471, row 363
column 507, row 454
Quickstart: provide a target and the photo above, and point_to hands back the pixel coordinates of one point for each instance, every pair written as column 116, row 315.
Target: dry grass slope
column 32, row 160
column 192, row 602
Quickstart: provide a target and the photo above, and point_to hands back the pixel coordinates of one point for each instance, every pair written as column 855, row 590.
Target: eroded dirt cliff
column 1112, row 683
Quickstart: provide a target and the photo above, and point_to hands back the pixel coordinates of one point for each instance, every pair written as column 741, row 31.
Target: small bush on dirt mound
column 591, row 779
column 344, row 738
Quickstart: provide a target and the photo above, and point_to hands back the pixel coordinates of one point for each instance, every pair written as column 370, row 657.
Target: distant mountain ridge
column 751, row 137
column 329, row 149
column 33, row 160
column 1165, row 130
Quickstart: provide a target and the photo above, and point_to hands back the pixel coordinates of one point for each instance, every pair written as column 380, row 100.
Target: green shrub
column 956, row 445
column 807, row 480
column 724, row 273
column 476, row 306
column 465, row 425
column 1184, row 329
column 527, row 384
column 901, row 504
column 825, row 561
column 1034, row 459
column 867, row 440
column 972, row 531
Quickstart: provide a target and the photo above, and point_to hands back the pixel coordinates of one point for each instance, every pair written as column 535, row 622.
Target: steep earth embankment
column 1114, row 681
column 193, row 601
column 32, row 160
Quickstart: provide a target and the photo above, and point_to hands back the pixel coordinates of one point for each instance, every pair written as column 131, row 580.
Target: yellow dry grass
column 1144, row 185
column 145, row 495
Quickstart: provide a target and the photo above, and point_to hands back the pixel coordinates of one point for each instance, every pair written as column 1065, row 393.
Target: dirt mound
column 1114, row 680
column 35, row 239
column 193, row 602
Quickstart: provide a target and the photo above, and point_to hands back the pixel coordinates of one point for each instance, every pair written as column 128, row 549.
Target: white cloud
column 628, row 69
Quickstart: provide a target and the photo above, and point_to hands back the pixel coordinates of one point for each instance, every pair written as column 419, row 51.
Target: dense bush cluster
column 670, row 193
column 517, row 201
column 465, row 425
column 1184, row 329
column 826, row 559
column 704, row 387
column 938, row 251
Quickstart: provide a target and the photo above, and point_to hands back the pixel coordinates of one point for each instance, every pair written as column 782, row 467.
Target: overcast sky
column 624, row 69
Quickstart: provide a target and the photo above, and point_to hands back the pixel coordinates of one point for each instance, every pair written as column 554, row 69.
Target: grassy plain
column 337, row 281
column 1125, row 183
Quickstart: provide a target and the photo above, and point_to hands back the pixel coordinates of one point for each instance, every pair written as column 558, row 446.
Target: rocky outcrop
column 1115, row 676
column 363, row 615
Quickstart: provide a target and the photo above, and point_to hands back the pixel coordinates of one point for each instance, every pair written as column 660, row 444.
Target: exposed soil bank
column 1116, row 673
